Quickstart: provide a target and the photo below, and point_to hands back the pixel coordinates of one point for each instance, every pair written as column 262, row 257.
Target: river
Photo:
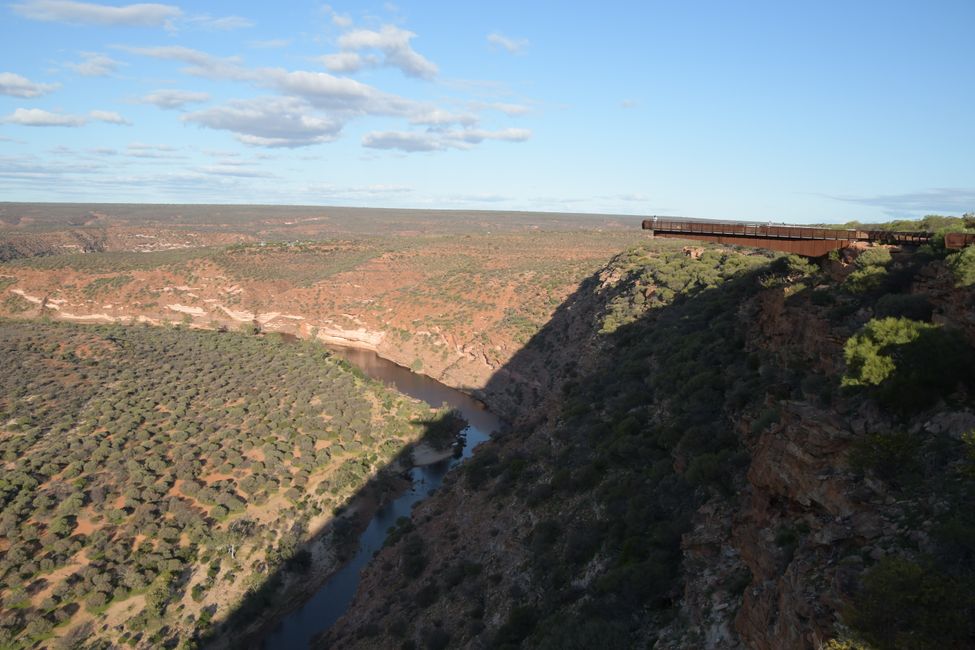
column 328, row 604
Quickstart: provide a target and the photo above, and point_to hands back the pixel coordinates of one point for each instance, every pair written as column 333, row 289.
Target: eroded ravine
column 299, row 627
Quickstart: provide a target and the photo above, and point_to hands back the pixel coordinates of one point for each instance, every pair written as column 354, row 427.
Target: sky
column 797, row 112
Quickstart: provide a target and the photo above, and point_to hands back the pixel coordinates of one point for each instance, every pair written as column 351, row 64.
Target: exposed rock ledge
column 360, row 338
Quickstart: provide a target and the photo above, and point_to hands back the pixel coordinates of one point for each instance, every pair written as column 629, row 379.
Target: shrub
column 436, row 639
column 428, row 595
column 414, row 559
column 845, row 644
column 873, row 257
column 904, row 605
column 866, row 279
column 582, row 633
column 892, row 457
column 904, row 305
column 867, row 363
column 962, row 265
column 911, row 364
column 521, row 621
column 794, row 267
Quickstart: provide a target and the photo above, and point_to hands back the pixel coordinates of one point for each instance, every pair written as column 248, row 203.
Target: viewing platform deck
column 809, row 241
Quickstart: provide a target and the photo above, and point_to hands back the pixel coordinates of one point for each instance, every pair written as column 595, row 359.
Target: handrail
column 752, row 229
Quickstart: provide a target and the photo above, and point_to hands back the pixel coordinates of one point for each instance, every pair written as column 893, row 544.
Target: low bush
column 902, row 604
column 962, row 265
column 909, row 364
column 892, row 457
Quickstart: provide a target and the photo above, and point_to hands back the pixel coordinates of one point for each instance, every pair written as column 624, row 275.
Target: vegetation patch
column 100, row 286
column 161, row 460
column 962, row 265
column 908, row 364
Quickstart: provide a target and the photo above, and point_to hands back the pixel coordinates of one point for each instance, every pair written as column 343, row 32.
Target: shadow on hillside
column 517, row 387
column 358, row 528
column 556, row 363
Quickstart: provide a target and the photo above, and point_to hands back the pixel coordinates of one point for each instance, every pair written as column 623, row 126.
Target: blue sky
column 790, row 111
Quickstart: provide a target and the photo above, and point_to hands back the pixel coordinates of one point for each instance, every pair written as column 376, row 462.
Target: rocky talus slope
column 722, row 452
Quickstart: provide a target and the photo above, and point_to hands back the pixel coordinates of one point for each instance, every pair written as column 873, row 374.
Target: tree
column 904, row 605
column 159, row 593
column 909, row 365
column 867, row 353
column 962, row 265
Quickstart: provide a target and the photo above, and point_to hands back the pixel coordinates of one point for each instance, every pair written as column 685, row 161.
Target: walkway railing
column 804, row 240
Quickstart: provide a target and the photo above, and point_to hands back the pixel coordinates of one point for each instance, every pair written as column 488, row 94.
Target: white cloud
column 151, row 151
column 222, row 153
column 412, row 141
column 394, row 43
column 439, row 117
column 94, row 65
column 511, row 110
column 174, row 98
column 269, row 44
column 87, row 13
column 17, row 86
column 110, row 117
column 629, row 103
column 321, row 89
column 404, row 141
column 510, row 45
column 343, row 62
column 201, row 64
column 476, row 136
column 340, row 20
column 931, row 201
column 228, row 169
column 338, row 94
column 224, row 24
column 305, row 93
column 357, row 192
column 269, row 122
column 32, row 167
column 38, row 117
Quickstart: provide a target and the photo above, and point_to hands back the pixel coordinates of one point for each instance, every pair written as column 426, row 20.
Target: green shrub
column 867, row 354
column 910, row 365
column 962, row 265
column 905, row 606
column 866, row 279
column 16, row 304
column 794, row 267
column 872, row 257
column 893, row 457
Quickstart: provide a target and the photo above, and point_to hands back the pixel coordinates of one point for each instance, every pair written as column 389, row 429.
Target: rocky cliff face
column 685, row 471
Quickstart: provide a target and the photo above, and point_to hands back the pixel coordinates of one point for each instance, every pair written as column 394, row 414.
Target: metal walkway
column 802, row 240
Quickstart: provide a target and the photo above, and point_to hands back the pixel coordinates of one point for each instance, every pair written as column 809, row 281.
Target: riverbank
column 329, row 548
column 316, row 604
column 359, row 512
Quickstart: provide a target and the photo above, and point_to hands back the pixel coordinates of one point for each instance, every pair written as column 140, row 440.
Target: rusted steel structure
column 801, row 240
column 959, row 239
